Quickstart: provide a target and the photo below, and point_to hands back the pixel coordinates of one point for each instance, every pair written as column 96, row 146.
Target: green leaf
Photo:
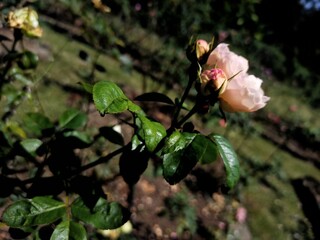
column 156, row 97
column 68, row 230
column 16, row 129
column 135, row 108
column 109, row 98
column 32, row 212
column 31, row 145
column 104, row 215
column 203, row 149
column 113, row 136
column 135, row 142
column 36, row 123
column 80, row 136
column 87, row 87
column 229, row 158
column 72, row 119
column 151, row 132
column 177, row 161
column 177, row 141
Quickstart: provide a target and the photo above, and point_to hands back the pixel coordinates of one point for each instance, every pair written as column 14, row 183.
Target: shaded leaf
column 36, row 123
column 46, row 186
column 17, row 233
column 72, row 119
column 104, row 215
column 156, row 97
column 87, row 87
column 132, row 164
column 83, row 139
column 32, row 212
column 109, row 98
column 68, row 230
column 88, row 188
column 113, row 136
column 229, row 158
column 7, row 185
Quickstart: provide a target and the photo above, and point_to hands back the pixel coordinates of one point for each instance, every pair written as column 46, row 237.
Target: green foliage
column 103, row 215
column 181, row 153
column 37, row 123
column 66, row 146
column 150, row 132
column 69, row 230
column 31, row 145
column 33, row 212
column 229, row 158
column 109, row 98
column 72, row 119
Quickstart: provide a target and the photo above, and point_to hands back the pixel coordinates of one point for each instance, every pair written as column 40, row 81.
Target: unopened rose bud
column 213, row 80
column 202, row 47
column 198, row 51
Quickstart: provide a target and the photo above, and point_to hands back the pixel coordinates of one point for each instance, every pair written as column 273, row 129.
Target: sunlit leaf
column 135, row 142
column 31, row 145
column 176, row 162
column 16, row 129
column 109, row 98
column 68, row 230
column 181, row 153
column 32, row 212
column 229, row 158
column 104, row 215
column 150, row 131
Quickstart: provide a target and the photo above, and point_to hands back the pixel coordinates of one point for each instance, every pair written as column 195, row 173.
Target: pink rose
column 243, row 95
column 213, row 80
column 243, row 92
